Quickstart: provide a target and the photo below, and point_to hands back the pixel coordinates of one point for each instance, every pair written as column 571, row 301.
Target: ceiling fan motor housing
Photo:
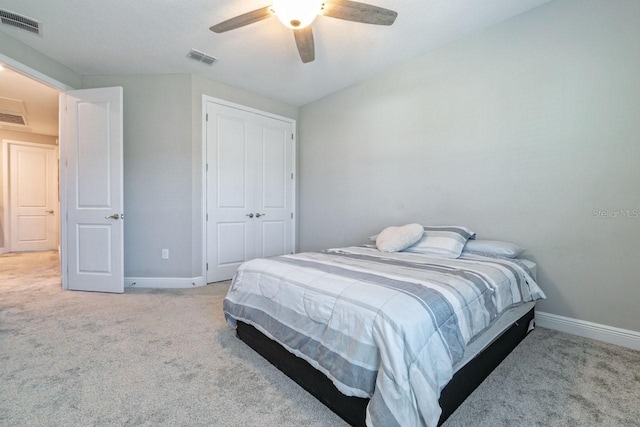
column 297, row 14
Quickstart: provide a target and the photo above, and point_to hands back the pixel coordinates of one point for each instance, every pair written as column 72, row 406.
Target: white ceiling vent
column 12, row 112
column 201, row 57
column 20, row 21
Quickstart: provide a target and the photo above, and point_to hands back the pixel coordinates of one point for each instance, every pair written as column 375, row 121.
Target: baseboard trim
column 164, row 282
column 596, row 331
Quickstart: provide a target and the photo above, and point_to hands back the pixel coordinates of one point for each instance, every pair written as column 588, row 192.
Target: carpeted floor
column 166, row 357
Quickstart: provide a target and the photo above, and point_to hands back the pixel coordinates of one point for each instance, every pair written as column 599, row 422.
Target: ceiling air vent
column 12, row 112
column 19, row 21
column 201, row 57
column 12, row 118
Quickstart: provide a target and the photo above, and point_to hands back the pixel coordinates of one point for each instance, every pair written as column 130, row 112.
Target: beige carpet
column 166, row 357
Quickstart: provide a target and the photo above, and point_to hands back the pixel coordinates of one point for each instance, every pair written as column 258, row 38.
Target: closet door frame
column 205, row 221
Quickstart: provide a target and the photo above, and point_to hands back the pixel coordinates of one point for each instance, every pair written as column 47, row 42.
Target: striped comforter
column 386, row 326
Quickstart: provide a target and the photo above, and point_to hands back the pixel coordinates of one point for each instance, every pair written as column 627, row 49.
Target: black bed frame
column 352, row 409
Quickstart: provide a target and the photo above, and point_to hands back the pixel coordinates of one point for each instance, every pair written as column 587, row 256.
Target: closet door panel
column 274, row 168
column 275, row 198
column 230, row 190
column 231, row 163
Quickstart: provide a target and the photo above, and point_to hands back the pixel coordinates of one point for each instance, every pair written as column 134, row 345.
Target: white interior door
column 230, row 192
column 33, row 197
column 274, row 189
column 91, row 125
column 249, row 188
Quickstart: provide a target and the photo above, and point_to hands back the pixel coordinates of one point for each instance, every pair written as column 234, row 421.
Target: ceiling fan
column 299, row 14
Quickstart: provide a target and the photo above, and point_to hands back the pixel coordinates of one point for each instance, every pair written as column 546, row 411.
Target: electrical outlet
column 165, row 254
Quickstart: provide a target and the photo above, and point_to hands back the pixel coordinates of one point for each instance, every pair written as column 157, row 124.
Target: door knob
column 49, row 212
column 258, row 215
column 250, row 215
column 114, row 216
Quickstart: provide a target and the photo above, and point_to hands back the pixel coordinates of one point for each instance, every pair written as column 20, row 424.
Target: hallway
column 25, row 270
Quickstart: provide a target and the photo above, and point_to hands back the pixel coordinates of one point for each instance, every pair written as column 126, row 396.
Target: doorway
column 88, row 123
column 29, row 161
column 30, row 202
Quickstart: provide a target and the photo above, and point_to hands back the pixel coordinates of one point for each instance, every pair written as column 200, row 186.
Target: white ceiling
column 40, row 103
column 154, row 36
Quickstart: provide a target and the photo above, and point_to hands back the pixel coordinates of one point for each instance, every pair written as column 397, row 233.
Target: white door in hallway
column 92, row 132
column 33, row 194
column 250, row 187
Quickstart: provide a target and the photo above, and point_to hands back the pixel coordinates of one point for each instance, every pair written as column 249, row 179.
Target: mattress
column 389, row 327
column 503, row 323
column 485, row 339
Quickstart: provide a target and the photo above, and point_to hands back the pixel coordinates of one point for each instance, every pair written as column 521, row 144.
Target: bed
column 384, row 339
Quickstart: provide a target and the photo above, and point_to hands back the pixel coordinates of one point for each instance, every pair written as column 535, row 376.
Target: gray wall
column 157, row 172
column 30, row 57
column 163, row 167
column 162, row 158
column 519, row 132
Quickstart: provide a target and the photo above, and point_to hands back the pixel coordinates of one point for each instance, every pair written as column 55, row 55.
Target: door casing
column 56, row 84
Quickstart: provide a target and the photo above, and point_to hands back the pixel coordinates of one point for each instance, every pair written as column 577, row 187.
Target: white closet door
column 249, row 188
column 274, row 204
column 229, row 190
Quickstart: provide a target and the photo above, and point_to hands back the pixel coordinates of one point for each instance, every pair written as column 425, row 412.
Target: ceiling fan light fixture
column 297, row 14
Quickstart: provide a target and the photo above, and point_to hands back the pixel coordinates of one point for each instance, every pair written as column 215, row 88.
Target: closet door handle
column 258, row 215
column 250, row 215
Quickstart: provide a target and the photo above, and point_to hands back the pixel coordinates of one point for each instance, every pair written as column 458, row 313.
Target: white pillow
column 493, row 248
column 395, row 239
column 442, row 241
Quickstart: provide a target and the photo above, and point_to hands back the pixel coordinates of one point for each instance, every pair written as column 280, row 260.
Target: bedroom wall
column 16, row 136
column 163, row 167
column 527, row 132
column 17, row 51
column 162, row 158
column 157, row 172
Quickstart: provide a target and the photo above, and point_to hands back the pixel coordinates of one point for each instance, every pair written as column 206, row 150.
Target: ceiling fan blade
column 304, row 41
column 359, row 12
column 242, row 20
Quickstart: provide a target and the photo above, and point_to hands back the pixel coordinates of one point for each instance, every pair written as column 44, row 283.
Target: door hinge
column 207, row 266
column 291, row 215
column 291, row 175
column 207, row 215
column 291, row 136
column 207, row 119
column 206, row 167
